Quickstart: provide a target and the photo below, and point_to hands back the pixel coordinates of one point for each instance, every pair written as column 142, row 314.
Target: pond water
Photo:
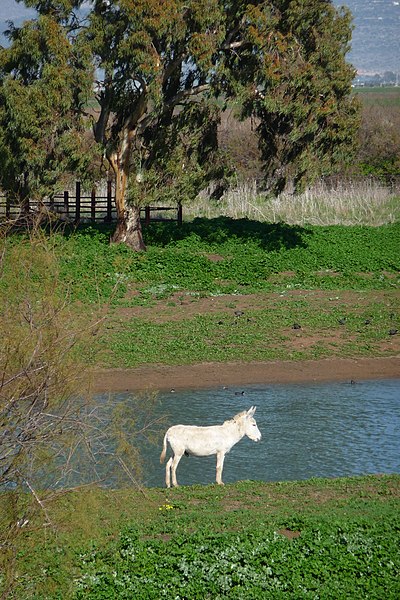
column 312, row 430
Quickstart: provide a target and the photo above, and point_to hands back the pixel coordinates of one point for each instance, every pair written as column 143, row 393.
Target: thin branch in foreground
column 38, row 500
column 131, row 477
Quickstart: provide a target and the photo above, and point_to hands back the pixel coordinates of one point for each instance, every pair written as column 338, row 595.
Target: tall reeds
column 363, row 201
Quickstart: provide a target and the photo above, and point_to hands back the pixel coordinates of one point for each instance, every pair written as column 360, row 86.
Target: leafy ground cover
column 223, row 255
column 224, row 289
column 318, row 538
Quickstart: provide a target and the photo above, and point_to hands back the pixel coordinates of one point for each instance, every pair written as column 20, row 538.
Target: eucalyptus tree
column 158, row 116
column 282, row 61
column 166, row 69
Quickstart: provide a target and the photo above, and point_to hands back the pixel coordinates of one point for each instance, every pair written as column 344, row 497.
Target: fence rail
column 82, row 208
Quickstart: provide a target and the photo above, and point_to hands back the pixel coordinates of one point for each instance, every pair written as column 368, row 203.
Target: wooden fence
column 93, row 208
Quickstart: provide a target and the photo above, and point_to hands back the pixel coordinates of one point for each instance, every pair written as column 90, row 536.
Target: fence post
column 8, row 208
column 77, row 201
column 66, row 203
column 93, row 206
column 180, row 214
column 109, row 202
column 147, row 215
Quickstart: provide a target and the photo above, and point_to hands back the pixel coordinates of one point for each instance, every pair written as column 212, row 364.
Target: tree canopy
column 164, row 70
column 42, row 89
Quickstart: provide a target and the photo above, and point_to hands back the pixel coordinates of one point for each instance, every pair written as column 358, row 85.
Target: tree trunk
column 129, row 229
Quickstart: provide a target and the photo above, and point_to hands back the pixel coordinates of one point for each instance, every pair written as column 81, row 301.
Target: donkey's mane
column 236, row 417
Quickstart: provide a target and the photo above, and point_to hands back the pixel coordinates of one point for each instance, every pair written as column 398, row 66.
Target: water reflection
column 315, row 430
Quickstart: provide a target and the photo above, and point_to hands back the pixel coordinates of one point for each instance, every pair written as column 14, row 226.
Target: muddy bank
column 211, row 375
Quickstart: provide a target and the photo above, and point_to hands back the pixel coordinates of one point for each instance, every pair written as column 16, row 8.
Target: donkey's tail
column 164, row 450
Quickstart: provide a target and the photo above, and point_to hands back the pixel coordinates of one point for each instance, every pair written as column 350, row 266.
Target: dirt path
column 212, row 375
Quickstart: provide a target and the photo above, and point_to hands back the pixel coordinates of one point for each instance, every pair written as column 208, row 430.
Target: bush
column 52, row 434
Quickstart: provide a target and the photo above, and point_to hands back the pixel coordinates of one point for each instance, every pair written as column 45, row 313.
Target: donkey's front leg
column 175, row 463
column 220, row 466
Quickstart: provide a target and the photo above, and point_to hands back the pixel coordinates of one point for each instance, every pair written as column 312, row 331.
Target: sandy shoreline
column 213, row 375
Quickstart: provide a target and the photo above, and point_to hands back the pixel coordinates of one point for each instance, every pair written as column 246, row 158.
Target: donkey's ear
column 251, row 411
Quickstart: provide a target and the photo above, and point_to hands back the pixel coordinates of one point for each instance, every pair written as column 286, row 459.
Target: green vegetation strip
column 327, row 327
column 373, row 96
column 324, row 538
column 249, row 257
column 250, row 254
column 223, row 257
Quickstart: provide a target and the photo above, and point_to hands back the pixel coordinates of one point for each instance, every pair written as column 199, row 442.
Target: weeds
column 251, row 536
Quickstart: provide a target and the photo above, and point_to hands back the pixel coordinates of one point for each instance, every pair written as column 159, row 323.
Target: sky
column 376, row 37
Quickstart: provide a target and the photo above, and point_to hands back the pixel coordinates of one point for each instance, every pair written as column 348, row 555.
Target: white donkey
column 205, row 441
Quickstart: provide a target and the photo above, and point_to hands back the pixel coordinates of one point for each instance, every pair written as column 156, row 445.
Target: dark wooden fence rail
column 82, row 208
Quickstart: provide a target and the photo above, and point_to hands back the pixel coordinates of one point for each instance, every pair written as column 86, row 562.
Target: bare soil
column 213, row 375
column 184, row 305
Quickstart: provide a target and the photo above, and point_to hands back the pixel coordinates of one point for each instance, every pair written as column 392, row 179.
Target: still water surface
column 312, row 430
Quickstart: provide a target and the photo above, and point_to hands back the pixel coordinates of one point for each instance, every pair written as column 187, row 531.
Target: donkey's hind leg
column 175, row 463
column 168, row 473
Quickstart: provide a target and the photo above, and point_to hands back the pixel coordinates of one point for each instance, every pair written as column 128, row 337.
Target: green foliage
column 308, row 119
column 254, row 251
column 180, row 157
column 381, row 168
column 43, row 88
column 354, row 557
column 324, row 537
column 252, row 254
column 93, row 270
column 168, row 69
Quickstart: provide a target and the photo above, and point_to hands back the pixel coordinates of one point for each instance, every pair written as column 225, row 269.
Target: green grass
column 223, row 257
column 260, row 334
column 319, row 538
column 251, row 254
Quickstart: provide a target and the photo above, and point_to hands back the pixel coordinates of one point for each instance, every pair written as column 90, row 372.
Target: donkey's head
column 249, row 424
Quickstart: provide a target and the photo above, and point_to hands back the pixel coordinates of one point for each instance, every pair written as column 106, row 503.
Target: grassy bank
column 223, row 289
column 317, row 538
column 294, row 325
column 222, row 256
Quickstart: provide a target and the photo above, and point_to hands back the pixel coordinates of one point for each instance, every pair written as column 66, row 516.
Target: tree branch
column 38, row 500
column 178, row 99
